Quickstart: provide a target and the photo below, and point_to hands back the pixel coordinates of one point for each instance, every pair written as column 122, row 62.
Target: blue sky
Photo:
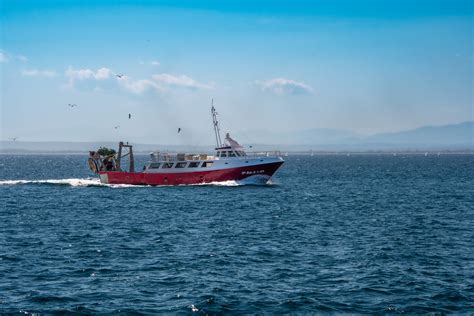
column 365, row 66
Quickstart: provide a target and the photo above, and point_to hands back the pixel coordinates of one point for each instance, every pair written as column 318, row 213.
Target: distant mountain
column 85, row 147
column 315, row 136
column 325, row 136
column 454, row 135
column 447, row 137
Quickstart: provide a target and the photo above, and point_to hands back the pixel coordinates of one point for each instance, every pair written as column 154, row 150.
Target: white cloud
column 103, row 73
column 6, row 57
column 155, row 63
column 179, row 81
column 284, row 86
column 158, row 82
column 138, row 86
column 38, row 73
column 83, row 74
column 3, row 57
column 87, row 74
column 21, row 58
column 161, row 83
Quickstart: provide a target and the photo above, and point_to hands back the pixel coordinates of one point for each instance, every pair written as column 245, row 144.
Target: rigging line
column 234, row 131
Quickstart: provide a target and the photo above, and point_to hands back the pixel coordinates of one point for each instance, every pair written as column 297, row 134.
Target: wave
column 93, row 182
column 246, row 181
column 229, row 183
column 87, row 182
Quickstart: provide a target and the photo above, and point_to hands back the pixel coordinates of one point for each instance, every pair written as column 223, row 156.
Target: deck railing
column 271, row 153
column 174, row 157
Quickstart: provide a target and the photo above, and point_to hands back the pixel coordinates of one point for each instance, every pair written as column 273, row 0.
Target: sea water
column 331, row 233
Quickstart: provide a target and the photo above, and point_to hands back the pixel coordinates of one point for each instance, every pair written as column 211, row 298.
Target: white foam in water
column 72, row 182
column 88, row 182
column 229, row 183
column 91, row 182
column 246, row 181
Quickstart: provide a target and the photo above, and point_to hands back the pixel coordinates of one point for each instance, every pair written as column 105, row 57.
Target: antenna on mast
column 217, row 131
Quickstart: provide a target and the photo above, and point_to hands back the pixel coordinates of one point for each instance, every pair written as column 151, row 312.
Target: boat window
column 181, row 165
column 154, row 165
column 193, row 164
column 223, row 154
column 218, row 154
column 242, row 153
column 231, row 154
column 167, row 165
column 237, row 153
column 207, row 164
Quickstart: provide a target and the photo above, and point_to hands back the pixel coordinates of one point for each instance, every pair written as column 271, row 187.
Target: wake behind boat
column 229, row 163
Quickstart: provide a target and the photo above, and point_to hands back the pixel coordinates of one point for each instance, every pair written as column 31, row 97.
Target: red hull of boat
column 230, row 174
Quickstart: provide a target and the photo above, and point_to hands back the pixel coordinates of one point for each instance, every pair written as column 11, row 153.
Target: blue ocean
column 331, row 234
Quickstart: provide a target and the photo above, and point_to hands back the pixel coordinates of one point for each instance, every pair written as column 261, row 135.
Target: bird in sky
column 129, row 116
column 72, row 105
column 179, row 130
column 116, row 127
column 119, row 75
column 14, row 139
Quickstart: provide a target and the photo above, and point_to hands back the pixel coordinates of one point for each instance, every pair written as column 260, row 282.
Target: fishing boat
column 230, row 162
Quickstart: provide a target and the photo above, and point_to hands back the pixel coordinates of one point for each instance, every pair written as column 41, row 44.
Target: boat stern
column 104, row 178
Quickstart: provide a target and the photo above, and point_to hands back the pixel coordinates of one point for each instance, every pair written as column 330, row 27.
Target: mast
column 217, row 131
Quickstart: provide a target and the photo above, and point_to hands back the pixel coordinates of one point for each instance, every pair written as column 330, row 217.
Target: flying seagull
column 14, row 139
column 129, row 116
column 179, row 130
column 119, row 75
column 116, row 126
column 72, row 105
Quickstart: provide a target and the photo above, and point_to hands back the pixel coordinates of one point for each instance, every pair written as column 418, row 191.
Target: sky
column 361, row 66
